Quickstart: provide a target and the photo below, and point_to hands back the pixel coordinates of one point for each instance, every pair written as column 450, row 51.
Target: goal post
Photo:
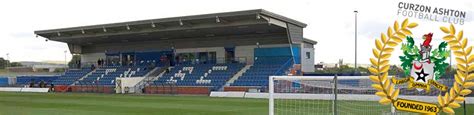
column 271, row 89
column 323, row 95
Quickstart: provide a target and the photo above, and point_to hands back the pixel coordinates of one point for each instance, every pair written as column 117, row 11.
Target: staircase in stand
column 83, row 77
column 236, row 76
column 152, row 75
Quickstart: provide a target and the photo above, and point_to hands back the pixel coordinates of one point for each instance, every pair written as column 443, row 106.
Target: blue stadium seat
column 263, row 67
column 25, row 80
column 107, row 75
column 3, row 81
column 70, row 76
column 210, row 75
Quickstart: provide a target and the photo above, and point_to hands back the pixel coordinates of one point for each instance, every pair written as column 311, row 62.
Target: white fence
column 22, row 89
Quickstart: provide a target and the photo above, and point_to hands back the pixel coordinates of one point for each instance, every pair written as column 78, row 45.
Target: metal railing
column 166, row 88
column 212, row 61
column 289, row 62
column 148, row 79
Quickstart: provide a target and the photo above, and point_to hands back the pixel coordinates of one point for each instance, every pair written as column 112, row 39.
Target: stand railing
column 148, row 78
column 287, row 63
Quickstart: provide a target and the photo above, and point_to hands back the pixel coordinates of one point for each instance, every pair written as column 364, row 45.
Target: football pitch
column 118, row 104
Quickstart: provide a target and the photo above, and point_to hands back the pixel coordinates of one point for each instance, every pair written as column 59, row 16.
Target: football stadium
column 251, row 62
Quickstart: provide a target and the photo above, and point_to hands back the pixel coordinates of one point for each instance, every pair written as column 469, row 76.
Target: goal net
column 324, row 95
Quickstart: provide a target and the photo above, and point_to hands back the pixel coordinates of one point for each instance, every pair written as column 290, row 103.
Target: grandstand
column 196, row 54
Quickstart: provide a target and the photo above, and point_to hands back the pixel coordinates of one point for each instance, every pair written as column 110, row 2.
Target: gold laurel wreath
column 380, row 64
column 464, row 60
column 385, row 46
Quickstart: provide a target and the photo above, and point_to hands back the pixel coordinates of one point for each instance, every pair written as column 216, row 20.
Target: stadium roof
column 257, row 21
column 310, row 41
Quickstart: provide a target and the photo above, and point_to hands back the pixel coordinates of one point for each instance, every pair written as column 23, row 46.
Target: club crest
column 423, row 65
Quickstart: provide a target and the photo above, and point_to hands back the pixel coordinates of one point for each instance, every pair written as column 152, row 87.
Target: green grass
column 117, row 104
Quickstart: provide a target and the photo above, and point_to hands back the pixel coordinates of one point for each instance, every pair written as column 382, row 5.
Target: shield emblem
column 422, row 71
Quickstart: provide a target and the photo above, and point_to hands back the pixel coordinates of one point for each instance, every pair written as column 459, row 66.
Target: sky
column 330, row 22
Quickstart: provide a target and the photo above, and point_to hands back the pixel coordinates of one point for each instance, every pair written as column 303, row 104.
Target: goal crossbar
column 318, row 77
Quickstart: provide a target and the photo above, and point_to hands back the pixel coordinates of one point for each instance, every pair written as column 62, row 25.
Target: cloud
column 373, row 28
column 22, row 35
